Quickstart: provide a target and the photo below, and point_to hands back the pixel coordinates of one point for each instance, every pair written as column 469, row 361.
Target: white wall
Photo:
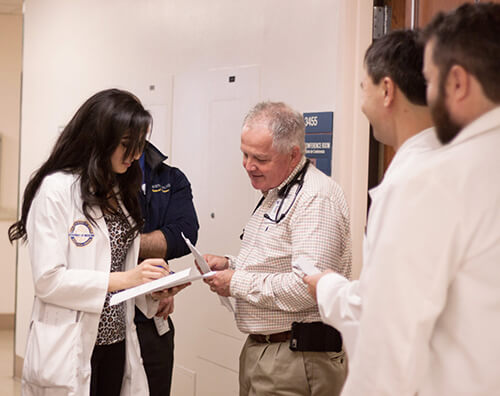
column 10, row 99
column 72, row 49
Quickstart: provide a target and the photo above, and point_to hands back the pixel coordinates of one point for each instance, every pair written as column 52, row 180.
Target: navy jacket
column 167, row 203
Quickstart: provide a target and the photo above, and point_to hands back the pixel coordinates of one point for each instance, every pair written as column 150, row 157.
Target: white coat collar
column 485, row 123
column 423, row 141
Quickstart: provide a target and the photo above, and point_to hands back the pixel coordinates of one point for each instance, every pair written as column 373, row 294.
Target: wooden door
column 424, row 10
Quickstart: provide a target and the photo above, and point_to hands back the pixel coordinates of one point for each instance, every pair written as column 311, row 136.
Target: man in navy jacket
column 167, row 206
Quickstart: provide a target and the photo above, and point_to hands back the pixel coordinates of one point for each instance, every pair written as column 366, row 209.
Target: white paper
column 202, row 264
column 305, row 267
column 205, row 269
column 177, row 279
column 161, row 324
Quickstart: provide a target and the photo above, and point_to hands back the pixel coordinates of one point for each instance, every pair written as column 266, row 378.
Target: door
column 208, row 110
column 424, row 10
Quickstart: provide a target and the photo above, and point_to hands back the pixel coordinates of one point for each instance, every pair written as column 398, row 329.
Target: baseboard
column 7, row 321
column 18, row 367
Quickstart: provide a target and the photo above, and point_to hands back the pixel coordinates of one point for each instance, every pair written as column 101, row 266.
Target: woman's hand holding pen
column 146, row 271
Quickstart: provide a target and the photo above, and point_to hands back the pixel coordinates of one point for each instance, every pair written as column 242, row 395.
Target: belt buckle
column 267, row 337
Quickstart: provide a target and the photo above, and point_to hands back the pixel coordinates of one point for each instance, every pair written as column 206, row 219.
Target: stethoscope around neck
column 283, row 192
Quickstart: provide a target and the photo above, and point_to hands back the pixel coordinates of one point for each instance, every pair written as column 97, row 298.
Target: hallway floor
column 8, row 386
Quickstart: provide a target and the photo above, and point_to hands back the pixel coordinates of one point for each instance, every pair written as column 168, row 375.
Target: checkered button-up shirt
column 269, row 293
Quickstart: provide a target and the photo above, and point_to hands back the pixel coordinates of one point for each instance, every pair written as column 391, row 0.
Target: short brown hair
column 469, row 36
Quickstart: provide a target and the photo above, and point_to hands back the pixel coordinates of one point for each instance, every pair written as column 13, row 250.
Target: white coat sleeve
column 55, row 280
column 339, row 304
column 410, row 271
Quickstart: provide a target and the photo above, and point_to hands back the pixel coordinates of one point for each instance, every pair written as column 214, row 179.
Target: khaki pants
column 273, row 369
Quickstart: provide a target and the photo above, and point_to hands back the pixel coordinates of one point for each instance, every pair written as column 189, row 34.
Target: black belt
column 268, row 338
column 305, row 337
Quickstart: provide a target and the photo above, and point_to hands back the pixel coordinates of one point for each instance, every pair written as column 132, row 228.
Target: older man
column 430, row 323
column 302, row 217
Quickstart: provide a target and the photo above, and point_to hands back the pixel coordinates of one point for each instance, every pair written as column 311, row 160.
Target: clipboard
column 177, row 279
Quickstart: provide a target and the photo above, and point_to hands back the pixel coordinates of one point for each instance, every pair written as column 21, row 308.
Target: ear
column 388, row 90
column 295, row 155
column 457, row 83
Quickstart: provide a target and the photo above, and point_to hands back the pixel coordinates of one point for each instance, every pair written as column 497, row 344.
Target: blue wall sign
column 319, row 131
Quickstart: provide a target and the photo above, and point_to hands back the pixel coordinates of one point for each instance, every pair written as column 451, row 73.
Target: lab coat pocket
column 52, row 354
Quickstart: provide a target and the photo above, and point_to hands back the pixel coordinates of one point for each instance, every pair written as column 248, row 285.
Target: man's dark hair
column 469, row 36
column 399, row 56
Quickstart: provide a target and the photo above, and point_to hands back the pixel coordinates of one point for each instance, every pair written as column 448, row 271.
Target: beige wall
column 10, row 99
column 351, row 126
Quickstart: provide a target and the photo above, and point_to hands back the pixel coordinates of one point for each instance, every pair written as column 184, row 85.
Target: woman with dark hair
column 81, row 218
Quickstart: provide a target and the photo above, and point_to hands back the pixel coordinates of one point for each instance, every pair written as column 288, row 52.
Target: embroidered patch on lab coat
column 81, row 233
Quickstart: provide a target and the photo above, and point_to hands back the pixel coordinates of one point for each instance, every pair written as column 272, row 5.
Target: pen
column 161, row 266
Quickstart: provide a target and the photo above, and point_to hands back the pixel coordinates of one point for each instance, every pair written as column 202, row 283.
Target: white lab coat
column 71, row 259
column 430, row 320
column 339, row 300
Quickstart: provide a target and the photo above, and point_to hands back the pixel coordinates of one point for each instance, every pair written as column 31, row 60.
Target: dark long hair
column 85, row 147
